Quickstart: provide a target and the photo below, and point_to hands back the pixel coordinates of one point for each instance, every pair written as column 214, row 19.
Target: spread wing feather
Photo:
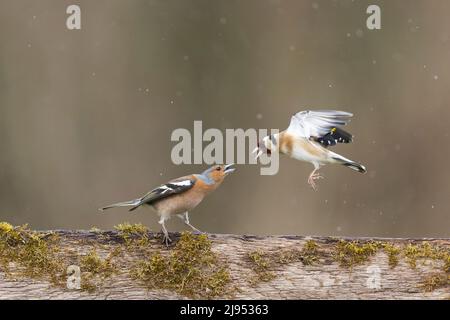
column 317, row 123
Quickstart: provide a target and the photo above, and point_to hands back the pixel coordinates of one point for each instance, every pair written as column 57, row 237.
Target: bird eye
column 218, row 168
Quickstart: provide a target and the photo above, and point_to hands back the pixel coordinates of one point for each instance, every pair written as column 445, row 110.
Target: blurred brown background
column 86, row 116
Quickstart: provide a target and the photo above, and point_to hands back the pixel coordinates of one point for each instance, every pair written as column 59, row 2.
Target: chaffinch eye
column 218, row 168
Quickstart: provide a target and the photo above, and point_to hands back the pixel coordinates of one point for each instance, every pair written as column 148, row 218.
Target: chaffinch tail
column 308, row 137
column 179, row 196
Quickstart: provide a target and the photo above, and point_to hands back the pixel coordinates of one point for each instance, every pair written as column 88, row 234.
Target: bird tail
column 349, row 163
column 132, row 203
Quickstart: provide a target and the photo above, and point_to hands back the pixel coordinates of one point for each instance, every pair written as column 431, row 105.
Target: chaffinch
column 308, row 137
column 179, row 196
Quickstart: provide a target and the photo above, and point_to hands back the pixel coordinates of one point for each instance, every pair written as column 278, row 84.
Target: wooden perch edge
column 131, row 263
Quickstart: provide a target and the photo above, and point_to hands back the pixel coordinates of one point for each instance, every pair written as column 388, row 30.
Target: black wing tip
column 335, row 136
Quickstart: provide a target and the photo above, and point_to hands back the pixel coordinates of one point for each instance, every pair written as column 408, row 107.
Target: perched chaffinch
column 179, row 196
column 307, row 138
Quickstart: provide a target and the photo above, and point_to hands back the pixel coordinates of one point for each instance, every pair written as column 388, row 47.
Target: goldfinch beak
column 229, row 168
column 258, row 152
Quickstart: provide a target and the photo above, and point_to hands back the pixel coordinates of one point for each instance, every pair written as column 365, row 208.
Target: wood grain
column 324, row 279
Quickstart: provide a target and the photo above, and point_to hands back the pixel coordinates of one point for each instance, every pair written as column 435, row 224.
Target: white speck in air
column 147, row 90
column 292, row 48
column 432, row 206
column 349, row 34
column 374, row 61
column 259, row 116
column 29, row 45
column 330, row 86
column 315, row 5
column 171, row 101
column 359, row 33
column 186, row 58
column 339, row 229
column 223, row 20
column 436, row 77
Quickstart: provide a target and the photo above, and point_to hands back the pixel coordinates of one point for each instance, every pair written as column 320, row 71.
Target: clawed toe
column 166, row 240
column 312, row 177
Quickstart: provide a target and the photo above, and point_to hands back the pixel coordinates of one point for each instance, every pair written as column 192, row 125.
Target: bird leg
column 166, row 238
column 185, row 218
column 314, row 176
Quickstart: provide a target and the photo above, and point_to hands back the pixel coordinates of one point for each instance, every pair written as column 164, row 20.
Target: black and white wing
column 317, row 124
column 172, row 187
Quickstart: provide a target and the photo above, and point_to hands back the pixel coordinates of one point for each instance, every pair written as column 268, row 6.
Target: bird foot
column 166, row 239
column 314, row 176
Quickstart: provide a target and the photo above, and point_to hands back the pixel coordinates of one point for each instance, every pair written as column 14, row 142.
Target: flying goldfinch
column 308, row 137
column 179, row 196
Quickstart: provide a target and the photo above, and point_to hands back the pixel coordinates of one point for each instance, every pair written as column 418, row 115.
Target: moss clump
column 92, row 262
column 310, row 252
column 264, row 263
column 92, row 267
column 261, row 265
column 424, row 251
column 35, row 254
column 436, row 281
column 393, row 254
column 350, row 253
column 447, row 262
column 192, row 269
column 136, row 234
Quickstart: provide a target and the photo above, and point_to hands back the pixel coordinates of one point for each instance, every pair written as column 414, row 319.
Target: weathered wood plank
column 266, row 267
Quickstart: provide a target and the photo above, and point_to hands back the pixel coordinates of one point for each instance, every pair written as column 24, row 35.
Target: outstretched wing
column 316, row 124
column 170, row 188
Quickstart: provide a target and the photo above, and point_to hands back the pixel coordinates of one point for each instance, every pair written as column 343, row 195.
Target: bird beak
column 229, row 168
column 258, row 151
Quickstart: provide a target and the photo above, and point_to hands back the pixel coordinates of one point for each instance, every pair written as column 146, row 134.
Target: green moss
column 191, row 269
column 94, row 268
column 310, row 252
column 133, row 234
column 261, row 265
column 447, row 262
column 350, row 253
column 436, row 281
column 264, row 264
column 92, row 262
column 424, row 251
column 35, row 254
column 393, row 253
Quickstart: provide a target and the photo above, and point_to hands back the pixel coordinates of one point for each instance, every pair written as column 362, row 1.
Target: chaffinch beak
column 229, row 168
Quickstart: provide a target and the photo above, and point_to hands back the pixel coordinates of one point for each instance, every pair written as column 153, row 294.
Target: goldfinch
column 308, row 137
